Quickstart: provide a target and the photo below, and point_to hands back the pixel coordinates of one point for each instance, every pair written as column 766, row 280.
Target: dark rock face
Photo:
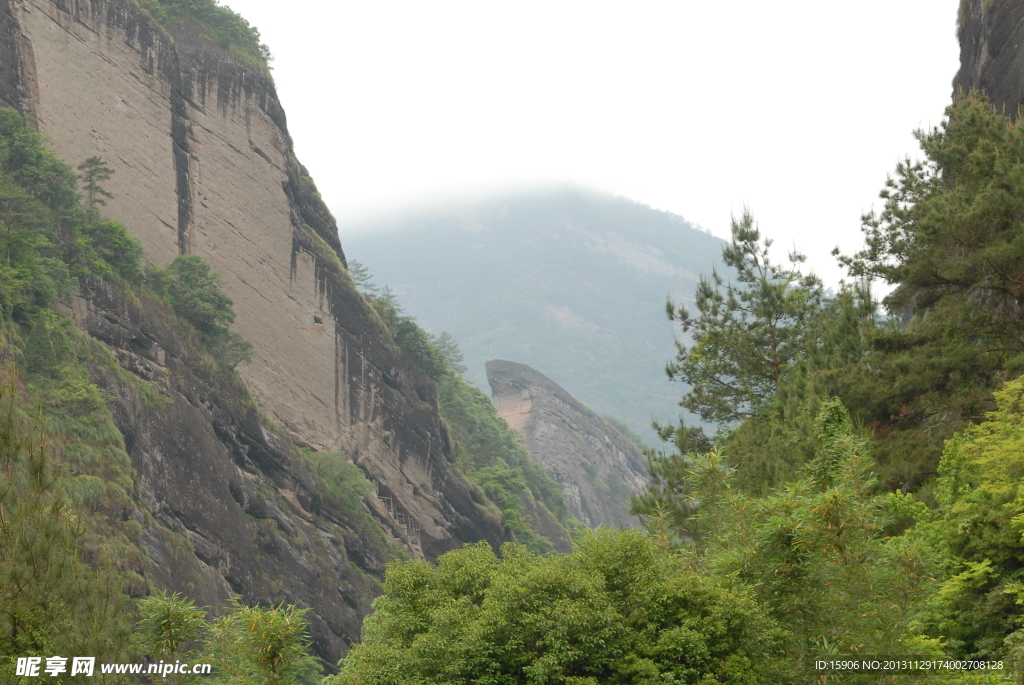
column 229, row 507
column 596, row 466
column 992, row 51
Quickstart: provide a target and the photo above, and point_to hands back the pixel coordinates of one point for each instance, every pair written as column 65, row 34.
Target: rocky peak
column 597, row 467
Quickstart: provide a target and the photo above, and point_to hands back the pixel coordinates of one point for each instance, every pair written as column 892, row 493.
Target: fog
column 796, row 109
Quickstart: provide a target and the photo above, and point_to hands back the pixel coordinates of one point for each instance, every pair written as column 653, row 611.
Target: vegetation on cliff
column 217, row 24
column 71, row 514
column 195, row 294
column 67, row 554
column 51, row 525
column 506, row 482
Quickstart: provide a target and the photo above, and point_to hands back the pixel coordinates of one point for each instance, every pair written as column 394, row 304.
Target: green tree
column 982, row 522
column 748, row 335
column 246, row 646
column 170, row 628
column 418, row 349
column 33, row 167
column 615, row 611
column 196, row 295
column 451, row 353
column 94, row 170
column 362, row 279
column 108, row 249
column 257, row 646
column 768, row 450
column 820, row 552
column 950, row 238
column 31, row 274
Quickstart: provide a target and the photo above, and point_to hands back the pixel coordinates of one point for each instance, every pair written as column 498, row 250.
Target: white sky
column 796, row 108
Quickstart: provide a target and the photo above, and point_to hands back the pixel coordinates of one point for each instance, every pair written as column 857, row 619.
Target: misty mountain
column 568, row 281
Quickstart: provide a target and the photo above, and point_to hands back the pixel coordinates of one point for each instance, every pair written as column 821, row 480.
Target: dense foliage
column 195, row 294
column 614, row 611
column 982, row 523
column 809, row 510
column 820, row 552
column 50, row 601
column 951, row 239
column 245, row 646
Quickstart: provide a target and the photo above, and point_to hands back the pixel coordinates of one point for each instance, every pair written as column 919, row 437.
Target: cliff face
column 204, row 164
column 596, row 466
column 992, row 51
column 226, row 505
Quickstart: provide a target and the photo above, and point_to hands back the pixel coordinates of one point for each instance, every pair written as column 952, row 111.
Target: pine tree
column 93, row 171
column 950, row 237
column 748, row 334
column 449, row 349
column 360, row 275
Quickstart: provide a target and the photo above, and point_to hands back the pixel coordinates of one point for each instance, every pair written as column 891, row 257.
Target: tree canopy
column 615, row 611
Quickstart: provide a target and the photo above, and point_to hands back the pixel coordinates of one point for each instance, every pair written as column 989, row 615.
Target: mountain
column 597, row 466
column 298, row 477
column 568, row 281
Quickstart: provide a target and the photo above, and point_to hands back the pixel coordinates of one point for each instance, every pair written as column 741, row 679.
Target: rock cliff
column 228, row 506
column 991, row 36
column 204, row 164
column 597, row 467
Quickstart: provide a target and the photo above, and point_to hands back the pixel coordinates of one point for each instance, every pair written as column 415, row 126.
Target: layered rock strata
column 597, row 467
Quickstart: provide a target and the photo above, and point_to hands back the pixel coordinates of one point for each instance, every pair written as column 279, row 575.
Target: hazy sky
column 797, row 108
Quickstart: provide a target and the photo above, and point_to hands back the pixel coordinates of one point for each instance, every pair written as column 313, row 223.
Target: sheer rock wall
column 204, row 164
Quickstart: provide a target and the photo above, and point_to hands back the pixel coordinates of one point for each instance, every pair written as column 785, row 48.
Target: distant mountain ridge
column 569, row 281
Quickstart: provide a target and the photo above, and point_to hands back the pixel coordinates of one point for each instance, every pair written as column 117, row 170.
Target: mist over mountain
column 569, row 281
